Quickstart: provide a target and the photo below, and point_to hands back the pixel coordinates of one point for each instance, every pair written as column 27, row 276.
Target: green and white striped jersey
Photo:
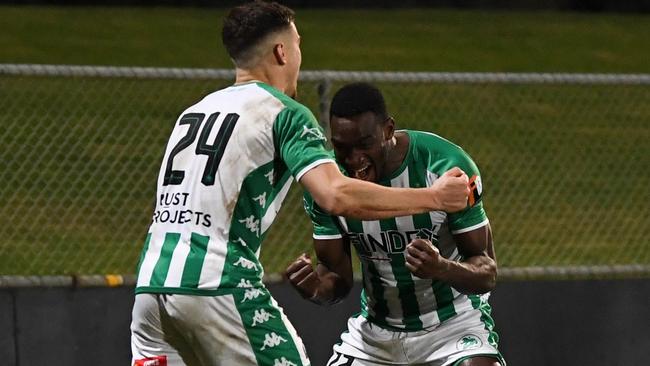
column 393, row 297
column 227, row 168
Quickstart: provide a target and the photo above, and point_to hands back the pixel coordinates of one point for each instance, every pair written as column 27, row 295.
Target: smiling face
column 362, row 143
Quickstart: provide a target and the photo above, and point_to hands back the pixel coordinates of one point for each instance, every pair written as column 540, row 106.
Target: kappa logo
column 252, row 224
column 251, row 294
column 283, row 362
column 313, row 134
column 270, row 176
column 469, row 341
column 261, row 317
column 242, row 242
column 244, row 284
column 261, row 199
column 245, row 263
column 272, row 340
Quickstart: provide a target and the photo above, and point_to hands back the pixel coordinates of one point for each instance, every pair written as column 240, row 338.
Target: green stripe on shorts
column 486, row 317
column 267, row 333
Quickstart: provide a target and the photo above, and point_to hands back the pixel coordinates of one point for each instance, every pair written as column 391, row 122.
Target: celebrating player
column 422, row 273
column 227, row 167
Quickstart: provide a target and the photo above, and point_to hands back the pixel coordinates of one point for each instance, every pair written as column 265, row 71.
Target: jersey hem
column 184, row 291
column 393, row 328
column 470, row 228
column 312, row 165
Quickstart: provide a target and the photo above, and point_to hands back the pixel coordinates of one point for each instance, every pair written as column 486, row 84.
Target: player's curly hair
column 246, row 25
column 356, row 98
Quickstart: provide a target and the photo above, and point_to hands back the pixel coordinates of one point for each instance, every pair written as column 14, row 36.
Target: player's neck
column 396, row 153
column 243, row 76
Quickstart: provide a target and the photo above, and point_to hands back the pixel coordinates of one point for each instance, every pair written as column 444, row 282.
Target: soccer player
column 227, row 167
column 422, row 274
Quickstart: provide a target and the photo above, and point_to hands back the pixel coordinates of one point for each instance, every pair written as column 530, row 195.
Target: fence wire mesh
column 564, row 160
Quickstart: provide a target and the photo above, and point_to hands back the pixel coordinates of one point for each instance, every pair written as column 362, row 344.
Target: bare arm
column 474, row 275
column 354, row 198
column 332, row 279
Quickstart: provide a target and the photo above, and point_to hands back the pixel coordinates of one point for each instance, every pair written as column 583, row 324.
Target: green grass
column 564, row 167
column 413, row 40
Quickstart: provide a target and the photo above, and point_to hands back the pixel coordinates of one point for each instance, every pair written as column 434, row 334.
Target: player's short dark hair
column 356, row 98
column 248, row 24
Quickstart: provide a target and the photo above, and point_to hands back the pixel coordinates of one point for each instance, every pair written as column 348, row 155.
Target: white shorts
column 456, row 339
column 244, row 328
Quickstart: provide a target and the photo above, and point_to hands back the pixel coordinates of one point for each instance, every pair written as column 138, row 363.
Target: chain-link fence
column 565, row 161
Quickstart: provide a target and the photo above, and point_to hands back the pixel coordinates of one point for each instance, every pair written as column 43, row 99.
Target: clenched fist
column 302, row 276
column 451, row 190
column 424, row 260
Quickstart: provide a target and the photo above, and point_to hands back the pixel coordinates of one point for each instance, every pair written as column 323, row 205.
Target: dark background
column 540, row 323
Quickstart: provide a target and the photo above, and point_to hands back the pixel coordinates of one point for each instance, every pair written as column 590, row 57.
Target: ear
column 389, row 128
column 279, row 54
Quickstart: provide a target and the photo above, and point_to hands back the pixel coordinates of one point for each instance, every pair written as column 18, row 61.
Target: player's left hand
column 424, row 260
column 303, row 277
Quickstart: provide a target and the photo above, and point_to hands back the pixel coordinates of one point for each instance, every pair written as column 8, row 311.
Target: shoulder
column 291, row 107
column 436, row 146
column 256, row 100
column 440, row 154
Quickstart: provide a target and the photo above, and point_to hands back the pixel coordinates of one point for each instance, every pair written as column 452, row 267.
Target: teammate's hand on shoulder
column 451, row 190
column 424, row 260
column 302, row 277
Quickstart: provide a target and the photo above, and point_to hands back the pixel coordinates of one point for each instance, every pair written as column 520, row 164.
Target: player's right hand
column 451, row 190
column 302, row 277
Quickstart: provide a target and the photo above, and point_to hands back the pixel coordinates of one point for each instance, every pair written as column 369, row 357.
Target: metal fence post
column 324, row 102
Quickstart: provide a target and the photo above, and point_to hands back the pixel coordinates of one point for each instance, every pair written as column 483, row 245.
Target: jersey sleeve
column 300, row 140
column 473, row 216
column 324, row 224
